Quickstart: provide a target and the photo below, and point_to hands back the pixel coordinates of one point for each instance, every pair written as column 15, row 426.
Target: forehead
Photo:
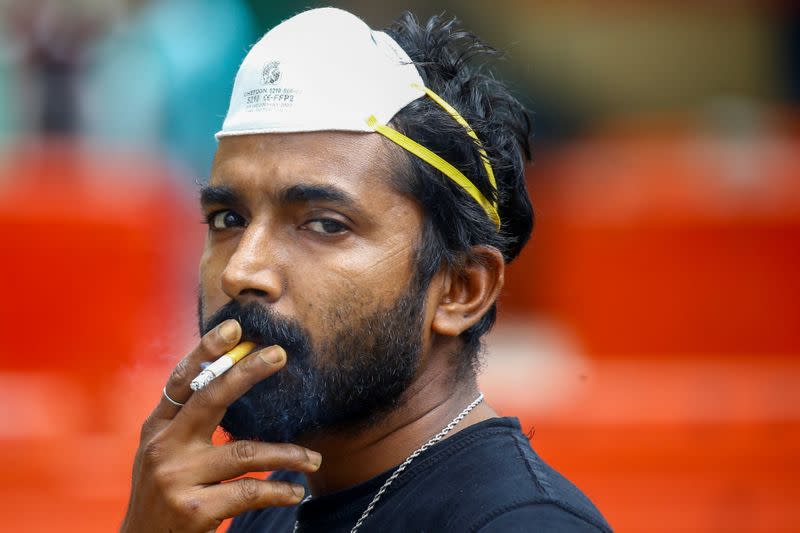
column 361, row 164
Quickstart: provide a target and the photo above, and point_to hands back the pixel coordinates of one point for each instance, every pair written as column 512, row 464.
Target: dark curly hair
column 452, row 63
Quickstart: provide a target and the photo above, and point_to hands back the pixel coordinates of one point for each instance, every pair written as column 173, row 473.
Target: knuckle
column 248, row 489
column 244, row 451
column 248, row 372
column 296, row 454
column 162, row 479
column 188, row 507
column 247, row 365
column 179, row 506
column 283, row 493
column 210, row 341
column 153, row 453
column 247, row 375
column 180, row 373
column 147, row 430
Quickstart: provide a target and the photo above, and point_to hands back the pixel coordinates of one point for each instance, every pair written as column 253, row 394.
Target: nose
column 251, row 272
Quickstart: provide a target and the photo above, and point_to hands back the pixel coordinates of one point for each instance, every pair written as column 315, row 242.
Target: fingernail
column 299, row 490
column 273, row 355
column 229, row 330
column 314, row 458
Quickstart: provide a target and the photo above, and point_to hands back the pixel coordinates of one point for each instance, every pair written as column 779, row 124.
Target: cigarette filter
column 221, row 365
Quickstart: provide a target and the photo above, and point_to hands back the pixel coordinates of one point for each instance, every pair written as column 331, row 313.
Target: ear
column 467, row 294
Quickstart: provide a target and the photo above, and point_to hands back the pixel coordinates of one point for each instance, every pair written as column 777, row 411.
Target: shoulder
column 540, row 517
column 493, row 480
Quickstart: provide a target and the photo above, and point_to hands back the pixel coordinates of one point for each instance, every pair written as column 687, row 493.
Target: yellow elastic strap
column 458, row 118
column 437, row 162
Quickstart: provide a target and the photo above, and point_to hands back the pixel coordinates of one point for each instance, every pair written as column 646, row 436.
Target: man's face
column 311, row 248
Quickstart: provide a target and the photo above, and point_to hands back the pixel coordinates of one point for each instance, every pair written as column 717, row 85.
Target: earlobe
column 469, row 293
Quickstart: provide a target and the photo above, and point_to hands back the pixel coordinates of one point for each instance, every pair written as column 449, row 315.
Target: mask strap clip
column 438, row 163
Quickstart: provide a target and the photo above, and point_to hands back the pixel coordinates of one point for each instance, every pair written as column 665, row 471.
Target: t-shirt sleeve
column 539, row 517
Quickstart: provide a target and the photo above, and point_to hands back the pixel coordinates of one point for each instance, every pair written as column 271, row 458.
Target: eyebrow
column 296, row 194
column 316, row 193
column 329, row 194
column 218, row 194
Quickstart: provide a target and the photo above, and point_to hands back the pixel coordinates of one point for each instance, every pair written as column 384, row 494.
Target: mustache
column 262, row 326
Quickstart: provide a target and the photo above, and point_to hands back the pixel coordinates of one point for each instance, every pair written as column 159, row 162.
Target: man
column 366, row 194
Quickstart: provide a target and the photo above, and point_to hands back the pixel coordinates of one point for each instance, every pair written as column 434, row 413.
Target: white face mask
column 323, row 69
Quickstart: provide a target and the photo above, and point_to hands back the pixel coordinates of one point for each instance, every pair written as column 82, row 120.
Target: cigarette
column 221, row 365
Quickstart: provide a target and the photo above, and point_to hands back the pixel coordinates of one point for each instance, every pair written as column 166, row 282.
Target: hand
column 178, row 473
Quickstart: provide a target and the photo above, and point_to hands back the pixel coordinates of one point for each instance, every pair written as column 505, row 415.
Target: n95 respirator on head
column 323, row 69
column 326, row 70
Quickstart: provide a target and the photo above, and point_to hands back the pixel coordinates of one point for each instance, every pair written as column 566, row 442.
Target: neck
column 426, row 409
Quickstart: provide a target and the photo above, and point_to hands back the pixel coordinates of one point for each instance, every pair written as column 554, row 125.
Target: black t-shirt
column 484, row 478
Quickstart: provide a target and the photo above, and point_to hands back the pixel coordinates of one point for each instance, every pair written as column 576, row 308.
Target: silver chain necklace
column 436, row 438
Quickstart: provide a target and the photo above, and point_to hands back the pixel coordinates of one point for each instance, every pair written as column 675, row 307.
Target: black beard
column 359, row 374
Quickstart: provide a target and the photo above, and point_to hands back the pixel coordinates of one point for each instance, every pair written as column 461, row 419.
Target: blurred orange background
column 648, row 336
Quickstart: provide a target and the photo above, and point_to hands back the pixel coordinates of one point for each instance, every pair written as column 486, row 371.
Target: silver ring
column 170, row 400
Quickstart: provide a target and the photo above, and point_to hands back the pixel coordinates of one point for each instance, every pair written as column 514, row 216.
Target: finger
column 206, row 407
column 220, row 463
column 226, row 500
column 213, row 344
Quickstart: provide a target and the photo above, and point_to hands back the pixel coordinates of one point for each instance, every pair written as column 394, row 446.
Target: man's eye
column 327, row 226
column 224, row 220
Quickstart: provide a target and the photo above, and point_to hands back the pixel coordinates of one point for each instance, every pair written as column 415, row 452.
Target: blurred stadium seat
column 96, row 250
column 671, row 258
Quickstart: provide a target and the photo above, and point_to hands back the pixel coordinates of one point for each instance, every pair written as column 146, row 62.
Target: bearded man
column 366, row 195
